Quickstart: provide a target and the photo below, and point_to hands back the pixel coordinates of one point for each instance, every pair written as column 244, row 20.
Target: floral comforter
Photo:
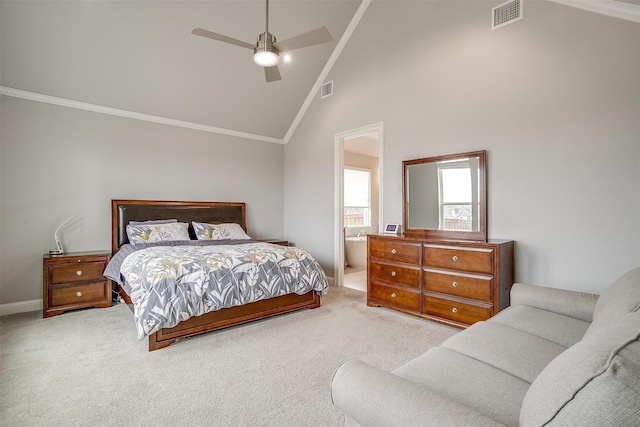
column 169, row 284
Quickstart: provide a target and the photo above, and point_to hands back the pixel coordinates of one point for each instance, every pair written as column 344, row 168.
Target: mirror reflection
column 446, row 194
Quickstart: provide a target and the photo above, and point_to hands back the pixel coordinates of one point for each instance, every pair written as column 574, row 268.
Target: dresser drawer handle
column 454, row 258
column 393, row 251
column 454, row 310
column 393, row 273
column 454, row 284
column 79, row 273
column 393, row 295
column 78, row 294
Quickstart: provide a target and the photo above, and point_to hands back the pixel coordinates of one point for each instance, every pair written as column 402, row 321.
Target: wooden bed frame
column 123, row 211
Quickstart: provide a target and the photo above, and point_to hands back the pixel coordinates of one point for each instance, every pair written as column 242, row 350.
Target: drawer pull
column 393, row 251
column 393, row 273
column 454, row 284
column 454, row 258
column 454, row 310
column 393, row 295
column 79, row 273
column 78, row 294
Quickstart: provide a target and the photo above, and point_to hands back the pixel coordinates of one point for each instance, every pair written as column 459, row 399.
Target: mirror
column 446, row 196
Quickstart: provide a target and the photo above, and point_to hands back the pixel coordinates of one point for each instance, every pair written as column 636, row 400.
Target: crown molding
column 616, row 9
column 33, row 96
column 327, row 68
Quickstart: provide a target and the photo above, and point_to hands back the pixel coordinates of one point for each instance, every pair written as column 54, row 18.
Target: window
column 357, row 197
column 455, row 195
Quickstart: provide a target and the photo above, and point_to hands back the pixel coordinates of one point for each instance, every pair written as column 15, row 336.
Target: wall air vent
column 326, row 89
column 506, row 13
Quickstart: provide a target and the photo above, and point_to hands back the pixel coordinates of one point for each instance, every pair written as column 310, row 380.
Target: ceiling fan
column 266, row 51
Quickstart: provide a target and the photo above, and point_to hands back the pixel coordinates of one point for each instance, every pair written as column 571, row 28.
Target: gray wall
column 57, row 162
column 553, row 98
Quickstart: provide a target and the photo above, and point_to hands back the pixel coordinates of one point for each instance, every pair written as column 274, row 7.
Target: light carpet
column 86, row 367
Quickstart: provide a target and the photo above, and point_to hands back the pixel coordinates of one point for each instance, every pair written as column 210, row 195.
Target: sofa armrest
column 578, row 305
column 373, row 397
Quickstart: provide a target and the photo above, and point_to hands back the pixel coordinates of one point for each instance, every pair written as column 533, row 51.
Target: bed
column 125, row 212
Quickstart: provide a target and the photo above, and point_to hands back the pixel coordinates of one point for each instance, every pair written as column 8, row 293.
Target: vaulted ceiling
column 141, row 57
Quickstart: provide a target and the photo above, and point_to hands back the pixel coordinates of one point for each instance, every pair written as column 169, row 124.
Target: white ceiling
column 141, row 57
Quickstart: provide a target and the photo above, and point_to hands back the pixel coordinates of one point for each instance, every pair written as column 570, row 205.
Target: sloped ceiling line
column 614, row 8
column 33, row 96
column 327, row 68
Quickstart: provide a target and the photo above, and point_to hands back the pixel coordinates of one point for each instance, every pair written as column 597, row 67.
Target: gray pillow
column 596, row 382
column 150, row 233
column 620, row 298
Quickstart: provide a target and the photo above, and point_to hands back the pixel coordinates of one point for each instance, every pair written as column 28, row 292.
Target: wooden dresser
column 449, row 281
column 74, row 280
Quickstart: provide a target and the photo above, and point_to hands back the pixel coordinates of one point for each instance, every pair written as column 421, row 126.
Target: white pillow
column 219, row 231
column 150, row 233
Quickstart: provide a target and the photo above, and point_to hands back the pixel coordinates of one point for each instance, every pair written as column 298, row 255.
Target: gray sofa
column 553, row 358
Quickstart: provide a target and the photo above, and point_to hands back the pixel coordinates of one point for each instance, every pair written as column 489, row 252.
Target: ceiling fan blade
column 221, row 38
column 272, row 74
column 310, row 38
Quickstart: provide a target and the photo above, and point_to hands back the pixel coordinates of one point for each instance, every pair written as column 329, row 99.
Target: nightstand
column 74, row 280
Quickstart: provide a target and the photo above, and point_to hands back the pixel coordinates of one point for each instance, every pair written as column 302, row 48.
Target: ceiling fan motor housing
column 266, row 43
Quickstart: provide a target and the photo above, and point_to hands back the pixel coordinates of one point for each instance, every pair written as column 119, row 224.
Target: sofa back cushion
column 595, row 382
column 620, row 298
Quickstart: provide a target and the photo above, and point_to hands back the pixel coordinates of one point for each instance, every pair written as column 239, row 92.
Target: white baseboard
column 20, row 307
column 331, row 281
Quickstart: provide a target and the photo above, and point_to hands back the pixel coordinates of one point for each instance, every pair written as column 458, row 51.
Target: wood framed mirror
column 446, row 196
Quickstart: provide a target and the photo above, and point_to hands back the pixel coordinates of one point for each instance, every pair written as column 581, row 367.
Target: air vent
column 326, row 89
column 506, row 13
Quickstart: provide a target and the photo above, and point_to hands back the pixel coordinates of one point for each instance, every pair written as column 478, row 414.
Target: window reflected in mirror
column 445, row 194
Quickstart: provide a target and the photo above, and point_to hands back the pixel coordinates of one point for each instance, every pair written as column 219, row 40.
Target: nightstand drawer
column 461, row 285
column 474, row 260
column 79, row 294
column 395, row 274
column 456, row 310
column 393, row 251
column 78, row 272
column 399, row 297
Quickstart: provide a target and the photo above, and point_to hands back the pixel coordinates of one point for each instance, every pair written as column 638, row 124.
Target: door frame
column 339, row 138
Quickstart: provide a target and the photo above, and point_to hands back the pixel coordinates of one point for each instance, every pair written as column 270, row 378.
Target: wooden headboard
column 123, row 211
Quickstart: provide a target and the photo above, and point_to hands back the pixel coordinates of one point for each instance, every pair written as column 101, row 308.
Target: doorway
column 358, row 166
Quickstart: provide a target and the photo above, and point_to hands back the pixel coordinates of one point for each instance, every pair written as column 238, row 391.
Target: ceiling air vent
column 326, row 89
column 506, row 13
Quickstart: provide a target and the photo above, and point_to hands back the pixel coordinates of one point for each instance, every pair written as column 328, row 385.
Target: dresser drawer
column 395, row 251
column 400, row 297
column 455, row 310
column 79, row 294
column 393, row 273
column 475, row 260
column 461, row 285
column 77, row 272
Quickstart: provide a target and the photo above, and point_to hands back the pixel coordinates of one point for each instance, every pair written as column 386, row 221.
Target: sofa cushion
column 518, row 353
column 595, row 382
column 475, row 384
column 620, row 298
column 554, row 327
column 579, row 305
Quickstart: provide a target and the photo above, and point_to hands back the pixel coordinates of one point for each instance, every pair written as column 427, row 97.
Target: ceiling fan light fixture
column 265, row 53
column 266, row 58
